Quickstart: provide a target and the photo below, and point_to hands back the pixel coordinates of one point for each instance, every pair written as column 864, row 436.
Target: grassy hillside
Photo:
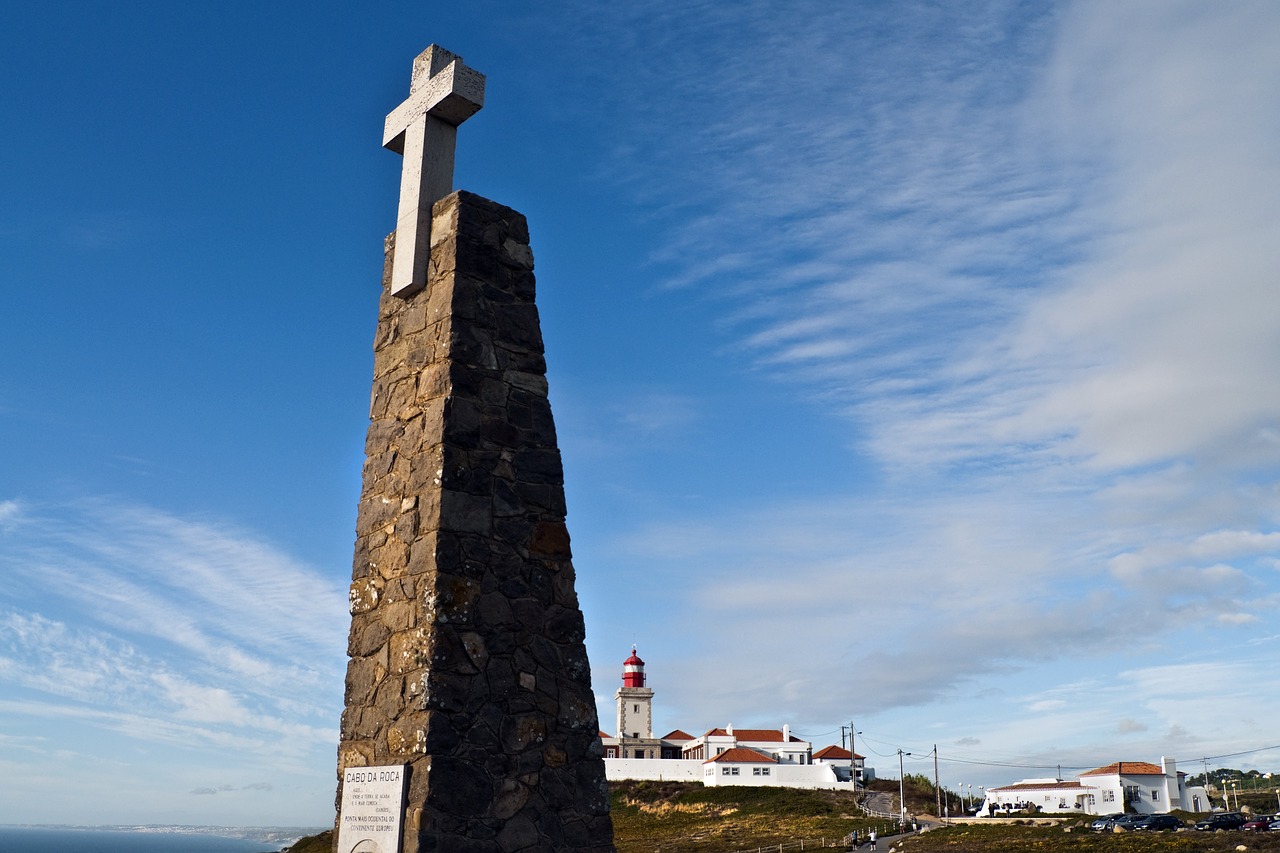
column 687, row 818
column 673, row 817
column 322, row 843
column 999, row 838
column 682, row 818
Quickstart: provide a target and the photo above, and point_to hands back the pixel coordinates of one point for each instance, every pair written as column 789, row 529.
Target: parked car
column 1221, row 820
column 1275, row 823
column 1158, row 821
column 1128, row 821
column 1104, row 822
column 1260, row 823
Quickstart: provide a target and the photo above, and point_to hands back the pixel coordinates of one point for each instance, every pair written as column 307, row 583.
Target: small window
column 764, row 771
column 755, row 771
column 1155, row 796
column 735, row 771
column 724, row 771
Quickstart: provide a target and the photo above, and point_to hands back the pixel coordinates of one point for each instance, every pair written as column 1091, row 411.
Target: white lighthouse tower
column 635, row 712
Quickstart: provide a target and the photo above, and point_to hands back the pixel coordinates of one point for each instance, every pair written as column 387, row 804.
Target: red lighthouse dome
column 633, row 670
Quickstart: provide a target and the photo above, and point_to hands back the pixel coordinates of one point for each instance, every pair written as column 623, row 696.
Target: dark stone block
column 520, row 833
column 539, row 465
column 565, row 625
column 441, row 734
column 550, row 540
column 466, row 513
column 459, row 788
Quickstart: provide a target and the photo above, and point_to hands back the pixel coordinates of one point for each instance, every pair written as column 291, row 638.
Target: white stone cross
column 444, row 93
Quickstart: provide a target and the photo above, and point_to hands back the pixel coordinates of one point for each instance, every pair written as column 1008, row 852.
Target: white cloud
column 1039, row 282
column 1047, row 705
column 10, row 514
column 169, row 631
column 235, row 604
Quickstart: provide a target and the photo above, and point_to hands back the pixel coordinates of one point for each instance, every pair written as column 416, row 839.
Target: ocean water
column 24, row 840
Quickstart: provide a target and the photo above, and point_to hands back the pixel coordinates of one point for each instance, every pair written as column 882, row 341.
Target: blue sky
column 914, row 363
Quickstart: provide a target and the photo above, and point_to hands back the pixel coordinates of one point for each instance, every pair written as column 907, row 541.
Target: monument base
column 467, row 658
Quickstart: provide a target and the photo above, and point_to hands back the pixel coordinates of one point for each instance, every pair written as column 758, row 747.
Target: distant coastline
column 275, row 837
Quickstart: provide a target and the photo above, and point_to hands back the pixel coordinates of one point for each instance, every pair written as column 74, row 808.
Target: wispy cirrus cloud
column 1029, row 256
column 10, row 513
column 168, row 630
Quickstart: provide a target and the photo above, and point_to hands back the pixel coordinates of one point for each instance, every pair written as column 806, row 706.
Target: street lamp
column 963, row 805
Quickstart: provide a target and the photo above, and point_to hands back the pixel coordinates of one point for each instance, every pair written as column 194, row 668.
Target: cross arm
column 453, row 95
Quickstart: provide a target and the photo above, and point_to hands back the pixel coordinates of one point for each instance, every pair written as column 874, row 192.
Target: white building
column 844, row 763
column 779, row 743
column 1136, row 786
column 1145, row 788
column 1048, row 795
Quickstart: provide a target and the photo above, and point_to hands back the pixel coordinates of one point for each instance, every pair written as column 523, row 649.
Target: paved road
column 881, row 804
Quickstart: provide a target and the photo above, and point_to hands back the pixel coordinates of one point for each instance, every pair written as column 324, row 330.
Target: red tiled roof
column 1041, row 786
column 604, row 734
column 742, row 755
column 1126, row 768
column 677, row 735
column 833, row 752
column 756, row 735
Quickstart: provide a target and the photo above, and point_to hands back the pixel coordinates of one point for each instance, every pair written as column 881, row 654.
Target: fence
column 800, row 844
column 882, row 833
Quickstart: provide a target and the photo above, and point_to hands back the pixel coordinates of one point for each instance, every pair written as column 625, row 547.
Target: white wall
column 811, row 776
column 653, row 769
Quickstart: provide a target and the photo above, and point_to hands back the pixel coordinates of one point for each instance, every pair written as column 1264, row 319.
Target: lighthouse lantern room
column 633, row 670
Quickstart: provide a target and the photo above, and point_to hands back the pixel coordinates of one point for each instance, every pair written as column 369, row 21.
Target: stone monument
column 467, row 666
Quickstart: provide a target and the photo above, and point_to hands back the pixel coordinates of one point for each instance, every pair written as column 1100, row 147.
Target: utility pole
column 853, row 758
column 937, row 789
column 902, row 793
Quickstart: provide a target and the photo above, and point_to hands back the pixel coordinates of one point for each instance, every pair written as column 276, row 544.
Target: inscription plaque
column 372, row 808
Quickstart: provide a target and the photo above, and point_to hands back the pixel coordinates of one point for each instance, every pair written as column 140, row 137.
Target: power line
column 976, row 762
column 818, row 735
column 1235, row 754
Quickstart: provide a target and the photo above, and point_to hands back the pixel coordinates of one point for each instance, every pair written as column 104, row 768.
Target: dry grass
column 671, row 817
column 990, row 839
column 686, row 818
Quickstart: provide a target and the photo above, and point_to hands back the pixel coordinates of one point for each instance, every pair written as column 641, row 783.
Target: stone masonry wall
column 467, row 657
